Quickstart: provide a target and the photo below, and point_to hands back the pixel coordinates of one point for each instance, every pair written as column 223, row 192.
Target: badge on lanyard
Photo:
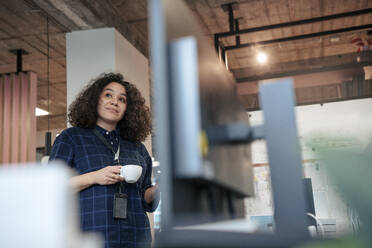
column 120, row 205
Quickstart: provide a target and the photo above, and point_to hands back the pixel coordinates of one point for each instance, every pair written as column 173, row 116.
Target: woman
column 114, row 108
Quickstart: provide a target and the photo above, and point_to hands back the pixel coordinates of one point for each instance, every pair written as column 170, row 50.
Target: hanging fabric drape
column 17, row 117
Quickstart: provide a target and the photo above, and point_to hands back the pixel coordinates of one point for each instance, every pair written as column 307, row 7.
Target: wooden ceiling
column 28, row 24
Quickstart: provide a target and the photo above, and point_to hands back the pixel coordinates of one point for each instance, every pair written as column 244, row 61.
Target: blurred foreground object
column 351, row 171
column 38, row 209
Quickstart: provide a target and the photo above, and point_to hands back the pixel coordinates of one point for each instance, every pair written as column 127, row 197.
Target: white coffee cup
column 131, row 172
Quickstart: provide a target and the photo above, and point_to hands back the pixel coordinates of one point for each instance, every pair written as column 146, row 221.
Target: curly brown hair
column 136, row 123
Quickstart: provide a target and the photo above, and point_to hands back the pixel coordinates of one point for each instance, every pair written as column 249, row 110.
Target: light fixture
column 40, row 112
column 261, row 57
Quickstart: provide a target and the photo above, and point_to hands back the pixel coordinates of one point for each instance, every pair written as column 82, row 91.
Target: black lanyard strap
column 99, row 135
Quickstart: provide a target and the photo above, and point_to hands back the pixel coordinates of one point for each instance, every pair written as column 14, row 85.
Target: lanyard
column 116, row 154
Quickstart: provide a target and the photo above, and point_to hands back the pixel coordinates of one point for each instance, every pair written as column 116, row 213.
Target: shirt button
column 107, row 133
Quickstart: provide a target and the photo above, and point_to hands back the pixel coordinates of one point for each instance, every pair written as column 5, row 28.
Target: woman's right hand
column 108, row 175
column 105, row 176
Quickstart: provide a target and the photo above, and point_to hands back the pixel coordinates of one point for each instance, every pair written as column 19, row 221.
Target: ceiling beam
column 44, row 8
column 300, row 37
column 11, row 38
column 330, row 63
column 89, row 14
column 343, row 91
column 294, row 23
column 69, row 13
column 112, row 17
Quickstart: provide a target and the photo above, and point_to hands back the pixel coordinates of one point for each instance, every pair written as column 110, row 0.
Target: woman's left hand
column 151, row 193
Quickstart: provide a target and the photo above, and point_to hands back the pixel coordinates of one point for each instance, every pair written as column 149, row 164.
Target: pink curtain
column 17, row 117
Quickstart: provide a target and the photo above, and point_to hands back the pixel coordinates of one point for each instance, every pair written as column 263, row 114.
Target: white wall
column 346, row 124
column 133, row 65
column 88, row 54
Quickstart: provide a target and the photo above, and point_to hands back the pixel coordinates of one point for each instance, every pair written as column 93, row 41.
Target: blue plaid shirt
column 81, row 149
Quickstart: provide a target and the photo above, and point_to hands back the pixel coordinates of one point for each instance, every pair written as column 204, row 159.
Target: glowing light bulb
column 261, row 57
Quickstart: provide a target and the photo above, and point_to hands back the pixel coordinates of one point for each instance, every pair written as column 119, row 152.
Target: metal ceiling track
column 304, row 71
column 235, row 31
column 300, row 37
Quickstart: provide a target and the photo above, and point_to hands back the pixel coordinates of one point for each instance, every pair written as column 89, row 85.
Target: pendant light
column 48, row 134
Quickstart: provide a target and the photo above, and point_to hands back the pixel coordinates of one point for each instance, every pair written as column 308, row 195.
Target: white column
column 92, row 52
